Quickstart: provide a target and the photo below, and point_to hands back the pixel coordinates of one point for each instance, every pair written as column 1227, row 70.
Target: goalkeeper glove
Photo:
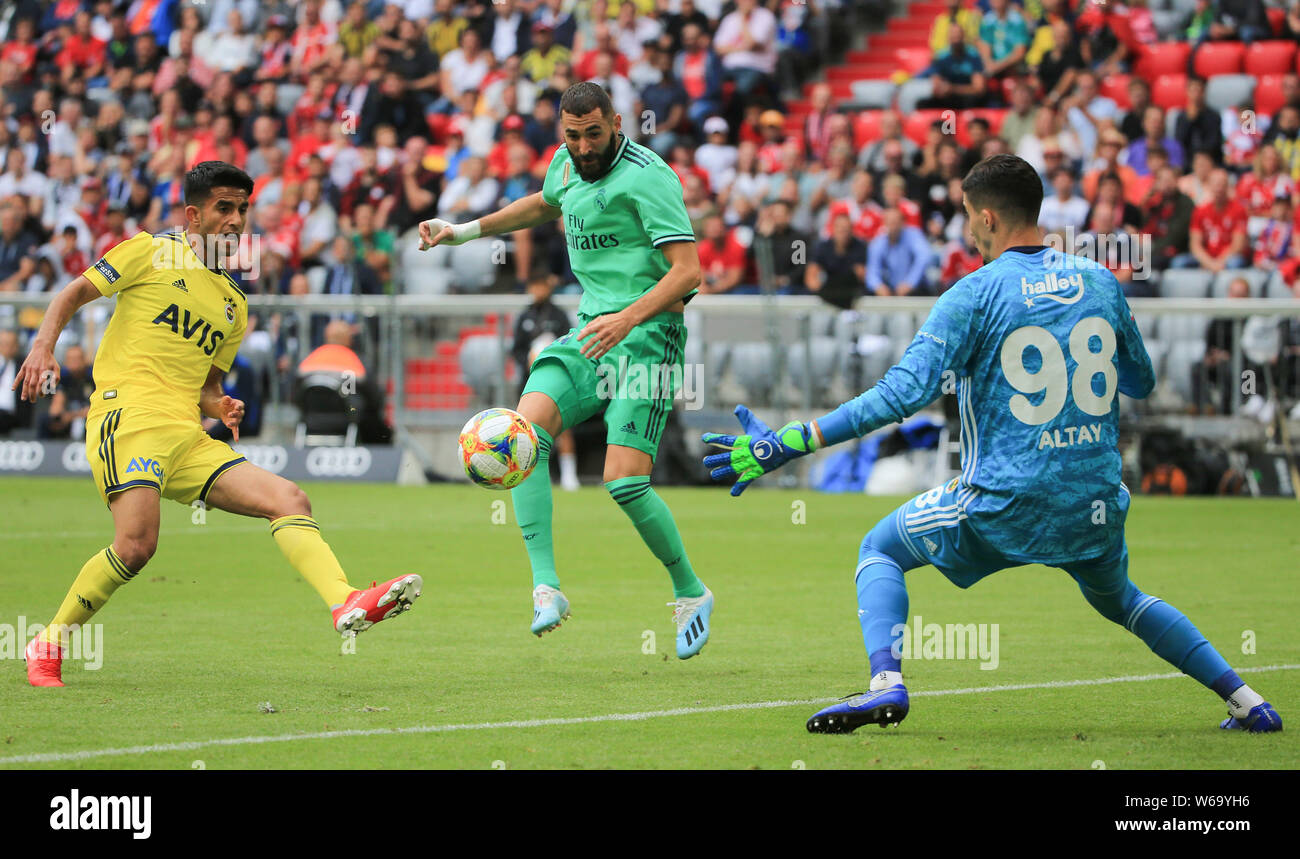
column 758, row 451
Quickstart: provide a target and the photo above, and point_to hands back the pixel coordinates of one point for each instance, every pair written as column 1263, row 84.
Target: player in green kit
column 632, row 248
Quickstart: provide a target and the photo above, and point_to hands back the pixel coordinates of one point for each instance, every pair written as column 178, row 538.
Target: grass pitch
column 218, row 626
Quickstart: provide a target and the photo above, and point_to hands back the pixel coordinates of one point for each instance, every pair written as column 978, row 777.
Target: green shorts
column 633, row 384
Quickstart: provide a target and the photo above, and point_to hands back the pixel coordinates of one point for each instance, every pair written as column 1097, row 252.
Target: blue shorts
column 933, row 528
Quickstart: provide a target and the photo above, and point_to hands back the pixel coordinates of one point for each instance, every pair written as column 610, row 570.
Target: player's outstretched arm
column 759, row 450
column 522, row 214
column 942, row 345
column 39, row 374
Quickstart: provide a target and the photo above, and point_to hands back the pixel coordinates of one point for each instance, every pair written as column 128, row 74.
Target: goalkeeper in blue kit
column 1038, row 343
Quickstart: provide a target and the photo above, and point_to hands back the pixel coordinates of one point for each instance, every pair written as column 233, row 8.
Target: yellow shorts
column 130, row 447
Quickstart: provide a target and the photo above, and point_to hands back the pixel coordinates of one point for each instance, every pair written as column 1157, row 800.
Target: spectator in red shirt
column 82, row 55
column 1257, row 189
column 21, row 49
column 115, row 230
column 277, row 51
column 722, row 258
column 863, row 212
column 1218, row 234
column 892, row 191
column 605, row 43
column 311, row 41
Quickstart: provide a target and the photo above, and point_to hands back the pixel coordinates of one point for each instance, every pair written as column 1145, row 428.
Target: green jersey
column 615, row 226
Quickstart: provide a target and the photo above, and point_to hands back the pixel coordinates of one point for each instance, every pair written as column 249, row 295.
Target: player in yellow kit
column 178, row 324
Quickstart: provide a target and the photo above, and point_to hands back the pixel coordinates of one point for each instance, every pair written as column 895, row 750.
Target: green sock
column 654, row 521
column 532, row 503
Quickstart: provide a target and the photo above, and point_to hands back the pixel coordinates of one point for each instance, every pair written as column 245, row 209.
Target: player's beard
column 599, row 165
column 218, row 249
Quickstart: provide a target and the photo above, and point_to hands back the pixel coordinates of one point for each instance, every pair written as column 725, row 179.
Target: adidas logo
column 180, row 284
column 629, row 427
column 930, row 545
column 695, row 629
column 85, row 603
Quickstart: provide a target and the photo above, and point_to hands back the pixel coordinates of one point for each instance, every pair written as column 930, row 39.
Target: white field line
column 574, row 720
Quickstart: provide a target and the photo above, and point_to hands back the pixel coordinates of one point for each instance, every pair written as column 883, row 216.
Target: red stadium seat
column 1276, row 15
column 866, row 127
column 913, row 59
column 1270, row 58
column 1170, row 92
column 1219, row 58
column 1162, row 58
column 1115, row 88
column 916, row 125
column 1268, row 94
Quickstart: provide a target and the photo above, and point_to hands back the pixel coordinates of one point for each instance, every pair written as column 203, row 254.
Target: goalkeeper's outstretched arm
column 522, row 214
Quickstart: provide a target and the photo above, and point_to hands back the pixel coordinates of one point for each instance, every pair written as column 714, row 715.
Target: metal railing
column 409, row 326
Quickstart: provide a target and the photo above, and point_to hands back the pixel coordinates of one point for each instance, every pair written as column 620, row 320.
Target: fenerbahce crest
column 230, row 310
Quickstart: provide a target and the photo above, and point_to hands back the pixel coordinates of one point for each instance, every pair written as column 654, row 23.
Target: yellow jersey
column 175, row 319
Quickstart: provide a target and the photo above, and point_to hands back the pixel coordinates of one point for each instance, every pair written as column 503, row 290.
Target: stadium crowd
column 358, row 120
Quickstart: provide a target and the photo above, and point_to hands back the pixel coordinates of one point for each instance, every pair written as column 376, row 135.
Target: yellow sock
column 299, row 539
column 101, row 575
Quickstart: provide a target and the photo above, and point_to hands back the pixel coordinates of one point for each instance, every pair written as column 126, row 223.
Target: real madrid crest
column 600, row 199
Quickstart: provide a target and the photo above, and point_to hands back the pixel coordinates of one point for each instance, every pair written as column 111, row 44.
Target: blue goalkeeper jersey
column 1035, row 345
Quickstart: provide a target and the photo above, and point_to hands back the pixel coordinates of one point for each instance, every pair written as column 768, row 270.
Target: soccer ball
column 498, row 448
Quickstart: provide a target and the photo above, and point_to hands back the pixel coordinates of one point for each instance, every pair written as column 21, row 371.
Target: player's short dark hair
column 1008, row 185
column 584, row 97
column 207, row 175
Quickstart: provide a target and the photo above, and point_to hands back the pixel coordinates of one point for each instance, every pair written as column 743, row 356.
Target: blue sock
column 882, row 607
column 1168, row 633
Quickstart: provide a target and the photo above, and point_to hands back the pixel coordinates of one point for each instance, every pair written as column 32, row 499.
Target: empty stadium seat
column 1253, row 276
column 1168, row 22
column 827, row 359
column 482, row 359
column 1230, row 91
column 912, row 92
column 1268, row 94
column 1270, row 58
column 752, row 365
column 1115, row 88
column 425, row 272
column 1180, row 363
column 1218, row 58
column 876, row 94
column 475, row 265
column 1186, row 283
column 1170, row 91
column 913, row 60
column 866, row 127
column 1162, row 58
column 916, row 125
column 1276, row 287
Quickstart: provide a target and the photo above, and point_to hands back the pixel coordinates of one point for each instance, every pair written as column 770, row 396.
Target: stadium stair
column 437, row 384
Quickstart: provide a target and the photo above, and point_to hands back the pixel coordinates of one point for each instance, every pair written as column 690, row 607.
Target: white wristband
column 465, row 232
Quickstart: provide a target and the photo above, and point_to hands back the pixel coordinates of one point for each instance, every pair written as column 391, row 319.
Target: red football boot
column 44, row 663
column 365, row 608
